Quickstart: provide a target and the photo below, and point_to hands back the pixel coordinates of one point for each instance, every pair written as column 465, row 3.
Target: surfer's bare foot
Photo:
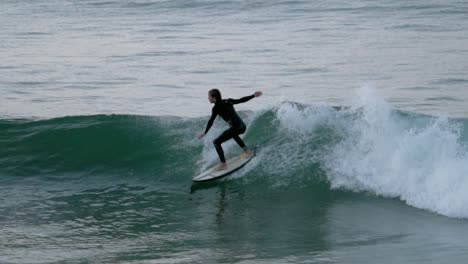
column 246, row 154
column 221, row 166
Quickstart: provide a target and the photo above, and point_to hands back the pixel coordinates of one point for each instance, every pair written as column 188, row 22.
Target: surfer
column 225, row 109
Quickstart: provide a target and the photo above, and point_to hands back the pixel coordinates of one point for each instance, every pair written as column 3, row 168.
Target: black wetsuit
column 225, row 109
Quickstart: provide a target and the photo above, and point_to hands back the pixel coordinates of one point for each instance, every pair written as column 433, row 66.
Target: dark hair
column 216, row 94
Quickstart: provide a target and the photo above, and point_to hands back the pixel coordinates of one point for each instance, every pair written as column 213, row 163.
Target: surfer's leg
column 240, row 142
column 247, row 152
column 226, row 135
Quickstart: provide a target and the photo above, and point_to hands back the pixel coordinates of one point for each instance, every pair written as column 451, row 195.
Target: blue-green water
column 328, row 185
column 361, row 131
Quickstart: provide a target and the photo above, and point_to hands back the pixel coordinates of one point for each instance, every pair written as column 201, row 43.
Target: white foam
column 424, row 165
column 302, row 120
column 292, row 149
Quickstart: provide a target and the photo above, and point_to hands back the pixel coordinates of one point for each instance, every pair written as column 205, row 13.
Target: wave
column 92, row 145
column 367, row 147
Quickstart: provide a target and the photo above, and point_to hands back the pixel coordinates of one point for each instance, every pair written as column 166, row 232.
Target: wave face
column 367, row 147
column 97, row 145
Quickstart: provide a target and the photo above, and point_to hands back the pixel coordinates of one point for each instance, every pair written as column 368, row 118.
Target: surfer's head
column 214, row 95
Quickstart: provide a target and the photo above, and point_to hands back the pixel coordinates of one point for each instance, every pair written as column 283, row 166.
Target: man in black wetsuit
column 225, row 109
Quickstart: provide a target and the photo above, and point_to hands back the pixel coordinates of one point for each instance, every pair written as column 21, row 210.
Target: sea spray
column 424, row 165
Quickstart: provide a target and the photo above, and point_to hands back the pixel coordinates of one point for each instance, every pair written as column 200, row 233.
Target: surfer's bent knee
column 216, row 142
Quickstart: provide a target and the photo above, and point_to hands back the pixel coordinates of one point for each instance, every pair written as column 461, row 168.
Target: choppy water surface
column 361, row 132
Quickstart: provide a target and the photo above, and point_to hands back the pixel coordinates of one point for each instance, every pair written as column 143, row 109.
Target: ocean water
column 362, row 131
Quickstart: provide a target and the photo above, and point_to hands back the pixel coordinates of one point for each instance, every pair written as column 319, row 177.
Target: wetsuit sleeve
column 242, row 100
column 212, row 119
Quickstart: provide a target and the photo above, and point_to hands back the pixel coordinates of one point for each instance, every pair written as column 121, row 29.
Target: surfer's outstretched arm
column 246, row 98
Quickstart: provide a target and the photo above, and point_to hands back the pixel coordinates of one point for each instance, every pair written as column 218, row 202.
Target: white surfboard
column 233, row 165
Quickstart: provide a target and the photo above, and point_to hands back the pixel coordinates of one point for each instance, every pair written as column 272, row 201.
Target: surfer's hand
column 257, row 94
column 201, row 135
